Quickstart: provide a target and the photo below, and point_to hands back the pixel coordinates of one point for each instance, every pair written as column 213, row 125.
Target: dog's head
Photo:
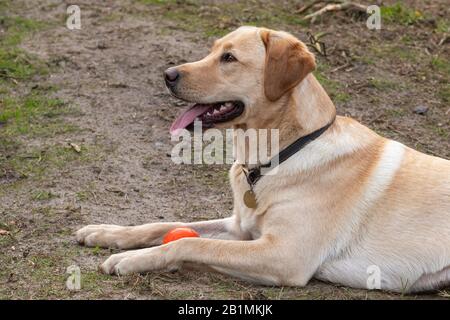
column 245, row 74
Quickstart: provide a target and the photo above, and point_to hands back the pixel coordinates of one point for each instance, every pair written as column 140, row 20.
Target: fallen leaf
column 75, row 147
column 4, row 232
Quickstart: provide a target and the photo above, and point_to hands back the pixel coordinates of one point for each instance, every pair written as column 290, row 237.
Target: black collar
column 254, row 174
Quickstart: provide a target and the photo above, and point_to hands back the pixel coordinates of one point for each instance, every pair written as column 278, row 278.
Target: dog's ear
column 288, row 62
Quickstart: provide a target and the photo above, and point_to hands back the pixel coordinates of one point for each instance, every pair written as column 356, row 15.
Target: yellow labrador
column 347, row 203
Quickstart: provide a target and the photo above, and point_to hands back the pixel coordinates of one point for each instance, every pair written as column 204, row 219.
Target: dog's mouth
column 208, row 114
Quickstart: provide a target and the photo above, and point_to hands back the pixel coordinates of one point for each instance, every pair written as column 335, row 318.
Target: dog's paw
column 137, row 261
column 101, row 235
column 112, row 264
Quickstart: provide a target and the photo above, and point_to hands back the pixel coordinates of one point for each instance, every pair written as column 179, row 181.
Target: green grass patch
column 365, row 59
column 44, row 211
column 407, row 39
column 441, row 65
column 33, row 114
column 42, row 195
column 16, row 28
column 82, row 195
column 96, row 251
column 94, row 281
column 383, row 84
column 442, row 26
column 341, row 97
column 220, row 18
column 15, row 63
column 401, row 14
column 47, row 274
column 7, row 239
column 332, row 87
column 25, row 112
column 395, row 113
column 394, row 51
column 440, row 131
column 41, row 273
column 444, row 93
column 36, row 162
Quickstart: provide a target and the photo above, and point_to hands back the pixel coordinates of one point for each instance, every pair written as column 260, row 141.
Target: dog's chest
column 249, row 218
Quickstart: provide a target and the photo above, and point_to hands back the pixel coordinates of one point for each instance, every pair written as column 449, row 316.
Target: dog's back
column 405, row 229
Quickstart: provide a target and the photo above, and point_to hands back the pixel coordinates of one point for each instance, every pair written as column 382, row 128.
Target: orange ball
column 179, row 233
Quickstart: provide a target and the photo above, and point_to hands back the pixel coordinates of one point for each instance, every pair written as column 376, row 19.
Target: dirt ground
column 101, row 88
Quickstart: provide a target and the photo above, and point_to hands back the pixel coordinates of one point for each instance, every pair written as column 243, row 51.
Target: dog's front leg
column 262, row 261
column 147, row 235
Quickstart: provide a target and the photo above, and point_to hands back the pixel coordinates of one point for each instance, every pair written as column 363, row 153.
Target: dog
column 349, row 202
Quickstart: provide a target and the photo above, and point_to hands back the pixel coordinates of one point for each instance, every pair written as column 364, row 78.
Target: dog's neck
column 305, row 109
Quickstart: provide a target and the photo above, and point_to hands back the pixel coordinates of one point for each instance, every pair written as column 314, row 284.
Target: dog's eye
column 227, row 57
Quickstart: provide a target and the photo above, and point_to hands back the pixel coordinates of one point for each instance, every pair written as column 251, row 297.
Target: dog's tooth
column 216, row 112
column 229, row 104
column 222, row 108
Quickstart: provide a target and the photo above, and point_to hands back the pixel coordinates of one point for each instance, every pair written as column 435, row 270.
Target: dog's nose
column 171, row 75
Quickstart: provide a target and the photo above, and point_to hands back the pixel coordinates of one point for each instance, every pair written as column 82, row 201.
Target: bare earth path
column 109, row 74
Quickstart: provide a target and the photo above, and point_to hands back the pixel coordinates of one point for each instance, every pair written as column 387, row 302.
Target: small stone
column 102, row 45
column 421, row 109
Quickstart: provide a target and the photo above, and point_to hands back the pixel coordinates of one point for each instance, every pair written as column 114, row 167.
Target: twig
column 345, row 65
column 309, row 6
column 319, row 46
column 336, row 7
column 373, row 120
column 95, row 197
column 443, row 40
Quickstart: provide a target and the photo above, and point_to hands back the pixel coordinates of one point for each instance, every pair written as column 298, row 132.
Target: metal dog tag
column 250, row 199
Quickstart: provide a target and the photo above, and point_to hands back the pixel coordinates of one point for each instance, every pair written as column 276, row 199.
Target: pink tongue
column 188, row 117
